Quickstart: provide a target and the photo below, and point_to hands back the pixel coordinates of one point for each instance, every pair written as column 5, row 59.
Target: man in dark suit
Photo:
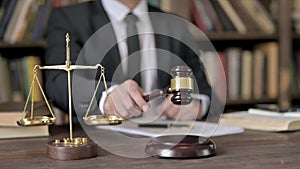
column 126, row 98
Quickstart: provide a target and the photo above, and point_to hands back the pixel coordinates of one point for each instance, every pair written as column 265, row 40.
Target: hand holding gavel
column 127, row 100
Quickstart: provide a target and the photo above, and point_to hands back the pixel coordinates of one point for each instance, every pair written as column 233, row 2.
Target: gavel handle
column 153, row 95
column 156, row 94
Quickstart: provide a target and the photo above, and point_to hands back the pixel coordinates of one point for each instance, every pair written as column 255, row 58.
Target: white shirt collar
column 111, row 6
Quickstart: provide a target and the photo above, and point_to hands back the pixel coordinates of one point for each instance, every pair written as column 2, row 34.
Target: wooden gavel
column 181, row 86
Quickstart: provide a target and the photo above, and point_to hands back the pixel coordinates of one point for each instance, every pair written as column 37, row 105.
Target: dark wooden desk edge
column 250, row 149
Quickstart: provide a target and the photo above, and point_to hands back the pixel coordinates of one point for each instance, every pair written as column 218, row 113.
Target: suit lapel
column 99, row 18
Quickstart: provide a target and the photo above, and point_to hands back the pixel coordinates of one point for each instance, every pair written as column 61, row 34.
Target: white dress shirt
column 146, row 37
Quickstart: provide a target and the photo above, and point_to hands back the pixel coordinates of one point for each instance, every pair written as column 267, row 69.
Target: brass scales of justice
column 67, row 148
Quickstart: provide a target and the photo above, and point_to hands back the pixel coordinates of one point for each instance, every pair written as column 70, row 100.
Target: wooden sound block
column 180, row 146
column 71, row 150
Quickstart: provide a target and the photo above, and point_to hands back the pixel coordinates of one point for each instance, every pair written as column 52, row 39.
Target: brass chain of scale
column 35, row 120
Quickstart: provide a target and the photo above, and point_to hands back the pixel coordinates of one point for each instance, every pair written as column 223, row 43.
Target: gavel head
column 181, row 85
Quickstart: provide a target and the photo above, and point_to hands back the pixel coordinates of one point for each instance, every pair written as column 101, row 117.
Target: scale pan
column 36, row 121
column 95, row 120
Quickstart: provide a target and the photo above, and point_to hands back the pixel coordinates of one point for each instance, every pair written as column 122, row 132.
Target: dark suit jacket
column 81, row 21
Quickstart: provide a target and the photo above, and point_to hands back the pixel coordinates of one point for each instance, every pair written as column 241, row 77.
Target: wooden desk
column 243, row 151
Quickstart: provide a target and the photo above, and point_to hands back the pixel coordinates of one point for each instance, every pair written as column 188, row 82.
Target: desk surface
column 248, row 150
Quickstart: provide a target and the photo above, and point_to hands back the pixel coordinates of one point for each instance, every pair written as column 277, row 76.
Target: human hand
column 190, row 111
column 126, row 100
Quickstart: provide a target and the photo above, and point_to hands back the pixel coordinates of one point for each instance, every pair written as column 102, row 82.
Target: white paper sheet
column 204, row 129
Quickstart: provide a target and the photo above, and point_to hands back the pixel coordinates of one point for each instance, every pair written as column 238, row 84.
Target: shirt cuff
column 205, row 102
column 103, row 98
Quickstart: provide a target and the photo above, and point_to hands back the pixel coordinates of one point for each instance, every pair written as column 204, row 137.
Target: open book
column 168, row 127
column 263, row 120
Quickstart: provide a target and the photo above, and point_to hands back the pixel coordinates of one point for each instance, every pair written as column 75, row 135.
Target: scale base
column 180, row 146
column 77, row 149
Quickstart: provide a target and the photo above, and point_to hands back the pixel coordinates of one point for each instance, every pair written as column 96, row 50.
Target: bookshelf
column 284, row 37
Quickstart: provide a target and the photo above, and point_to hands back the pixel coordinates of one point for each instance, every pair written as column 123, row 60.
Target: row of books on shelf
column 215, row 16
column 248, row 74
column 242, row 16
column 26, row 20
column 16, row 78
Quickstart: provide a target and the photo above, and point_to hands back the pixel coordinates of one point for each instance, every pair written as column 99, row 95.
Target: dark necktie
column 133, row 45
